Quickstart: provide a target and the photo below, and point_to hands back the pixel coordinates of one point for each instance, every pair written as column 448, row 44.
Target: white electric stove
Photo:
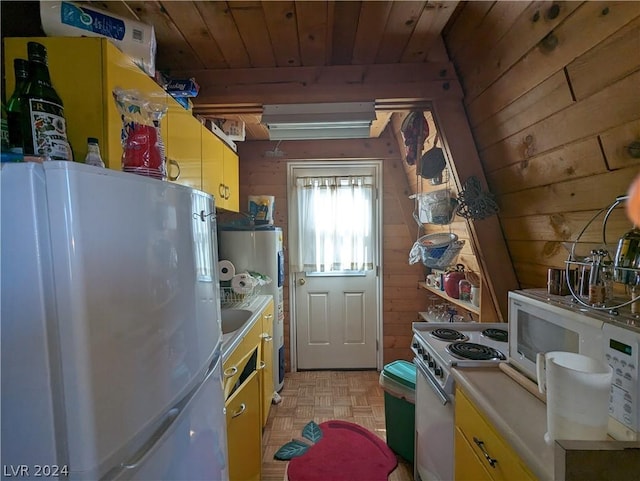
column 438, row 347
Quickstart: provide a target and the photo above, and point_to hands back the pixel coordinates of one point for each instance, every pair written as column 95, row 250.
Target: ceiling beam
column 341, row 83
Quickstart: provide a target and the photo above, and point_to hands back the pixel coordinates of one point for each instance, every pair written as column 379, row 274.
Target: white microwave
column 542, row 323
column 538, row 326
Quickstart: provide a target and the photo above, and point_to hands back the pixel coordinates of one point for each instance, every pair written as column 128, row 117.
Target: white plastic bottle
column 93, row 153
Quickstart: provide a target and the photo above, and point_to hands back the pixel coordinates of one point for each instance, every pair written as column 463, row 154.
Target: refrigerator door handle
column 166, row 423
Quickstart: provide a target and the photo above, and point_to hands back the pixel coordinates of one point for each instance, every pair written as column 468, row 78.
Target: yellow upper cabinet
column 212, row 166
column 85, row 71
column 231, row 179
column 220, row 175
column 184, row 149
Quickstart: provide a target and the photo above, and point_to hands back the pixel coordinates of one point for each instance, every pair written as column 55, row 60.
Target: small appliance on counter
column 540, row 323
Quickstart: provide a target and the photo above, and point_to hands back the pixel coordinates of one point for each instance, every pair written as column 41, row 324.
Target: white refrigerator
column 111, row 365
column 260, row 249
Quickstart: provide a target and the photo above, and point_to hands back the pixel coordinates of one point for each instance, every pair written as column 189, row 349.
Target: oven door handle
column 438, row 390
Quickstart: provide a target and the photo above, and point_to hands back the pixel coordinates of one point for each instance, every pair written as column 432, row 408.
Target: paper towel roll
column 242, row 284
column 226, row 270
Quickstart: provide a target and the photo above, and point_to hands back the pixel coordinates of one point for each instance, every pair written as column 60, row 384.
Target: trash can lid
column 401, row 371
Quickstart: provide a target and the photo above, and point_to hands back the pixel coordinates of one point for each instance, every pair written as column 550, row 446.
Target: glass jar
column 464, row 290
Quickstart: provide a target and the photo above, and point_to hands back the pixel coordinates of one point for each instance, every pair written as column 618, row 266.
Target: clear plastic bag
column 437, row 207
column 143, row 149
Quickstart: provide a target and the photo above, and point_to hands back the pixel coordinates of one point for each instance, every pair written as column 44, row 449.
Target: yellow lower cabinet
column 476, row 437
column 266, row 365
column 244, row 432
column 467, row 465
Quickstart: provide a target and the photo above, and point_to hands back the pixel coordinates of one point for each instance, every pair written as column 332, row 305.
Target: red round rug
column 346, row 452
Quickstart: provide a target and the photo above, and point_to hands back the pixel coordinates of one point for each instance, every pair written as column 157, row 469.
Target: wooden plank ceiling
column 245, row 54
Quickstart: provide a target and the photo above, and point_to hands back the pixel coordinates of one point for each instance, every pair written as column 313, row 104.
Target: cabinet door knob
column 177, row 165
column 302, row 282
column 230, row 371
column 243, row 408
column 221, row 190
column 227, row 192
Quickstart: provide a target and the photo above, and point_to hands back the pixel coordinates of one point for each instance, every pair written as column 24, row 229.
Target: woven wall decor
column 474, row 203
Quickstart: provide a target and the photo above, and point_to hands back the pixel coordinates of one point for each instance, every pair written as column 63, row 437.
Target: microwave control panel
column 621, row 352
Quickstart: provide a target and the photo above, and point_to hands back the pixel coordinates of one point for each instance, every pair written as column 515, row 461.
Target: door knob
column 302, row 282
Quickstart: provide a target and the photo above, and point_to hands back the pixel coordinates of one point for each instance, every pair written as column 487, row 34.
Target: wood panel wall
column 261, row 173
column 552, row 93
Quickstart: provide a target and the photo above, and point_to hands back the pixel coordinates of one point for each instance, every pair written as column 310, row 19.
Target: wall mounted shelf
column 465, row 305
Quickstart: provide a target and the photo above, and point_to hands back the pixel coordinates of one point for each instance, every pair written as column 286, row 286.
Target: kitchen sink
column 234, row 319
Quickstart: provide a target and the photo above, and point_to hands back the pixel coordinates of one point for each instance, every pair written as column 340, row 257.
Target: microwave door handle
column 437, row 389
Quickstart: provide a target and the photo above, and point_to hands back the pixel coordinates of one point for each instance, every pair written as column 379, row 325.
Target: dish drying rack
column 230, row 299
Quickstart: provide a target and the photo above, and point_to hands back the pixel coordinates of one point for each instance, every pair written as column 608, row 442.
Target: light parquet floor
column 354, row 396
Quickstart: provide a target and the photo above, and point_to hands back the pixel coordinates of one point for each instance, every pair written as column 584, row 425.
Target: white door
column 334, row 259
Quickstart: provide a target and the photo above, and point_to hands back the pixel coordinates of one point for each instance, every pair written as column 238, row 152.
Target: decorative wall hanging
column 474, row 203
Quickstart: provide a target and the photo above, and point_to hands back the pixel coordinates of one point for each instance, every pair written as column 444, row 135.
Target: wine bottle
column 21, row 72
column 44, row 128
column 4, row 144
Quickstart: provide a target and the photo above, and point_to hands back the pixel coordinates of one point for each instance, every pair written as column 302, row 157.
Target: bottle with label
column 21, row 72
column 93, row 153
column 44, row 128
column 4, row 131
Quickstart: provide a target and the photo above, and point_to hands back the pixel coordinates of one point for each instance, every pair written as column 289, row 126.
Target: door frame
column 292, row 220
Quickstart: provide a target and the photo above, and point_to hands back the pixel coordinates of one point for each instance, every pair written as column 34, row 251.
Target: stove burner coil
column 496, row 334
column 475, row 352
column 446, row 334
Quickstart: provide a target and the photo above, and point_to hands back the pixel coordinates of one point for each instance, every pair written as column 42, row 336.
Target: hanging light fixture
column 346, row 120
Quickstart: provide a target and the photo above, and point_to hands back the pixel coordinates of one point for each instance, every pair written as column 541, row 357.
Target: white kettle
column 578, row 389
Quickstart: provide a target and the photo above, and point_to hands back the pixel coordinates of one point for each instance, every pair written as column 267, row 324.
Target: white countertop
column 231, row 340
column 519, row 417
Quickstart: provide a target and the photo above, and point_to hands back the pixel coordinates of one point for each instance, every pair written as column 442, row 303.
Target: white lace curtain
column 335, row 219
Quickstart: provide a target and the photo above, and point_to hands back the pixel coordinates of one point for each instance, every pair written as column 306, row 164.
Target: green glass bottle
column 21, row 71
column 44, row 128
column 4, row 131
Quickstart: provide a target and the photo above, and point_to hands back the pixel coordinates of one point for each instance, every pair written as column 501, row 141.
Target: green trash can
column 398, row 380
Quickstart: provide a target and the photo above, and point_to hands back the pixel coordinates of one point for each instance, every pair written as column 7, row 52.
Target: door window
column 335, row 216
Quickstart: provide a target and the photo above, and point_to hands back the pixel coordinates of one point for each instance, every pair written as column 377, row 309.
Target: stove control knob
column 420, row 351
column 415, row 344
column 432, row 364
column 428, row 358
column 425, row 356
column 438, row 372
